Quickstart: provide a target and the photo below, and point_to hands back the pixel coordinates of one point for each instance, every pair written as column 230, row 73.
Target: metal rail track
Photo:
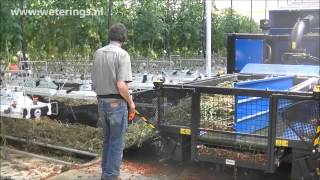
column 79, row 153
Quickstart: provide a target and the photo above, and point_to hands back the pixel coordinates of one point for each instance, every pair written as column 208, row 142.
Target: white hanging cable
column 208, row 4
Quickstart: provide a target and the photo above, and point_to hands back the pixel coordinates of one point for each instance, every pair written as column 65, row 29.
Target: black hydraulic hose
column 301, row 27
column 297, row 34
column 269, row 54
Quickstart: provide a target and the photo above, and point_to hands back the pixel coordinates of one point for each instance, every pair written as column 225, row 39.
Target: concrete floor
column 94, row 173
column 138, row 164
column 143, row 163
column 21, row 167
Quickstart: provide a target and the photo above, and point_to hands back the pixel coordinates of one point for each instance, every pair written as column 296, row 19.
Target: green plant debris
column 75, row 136
column 217, row 110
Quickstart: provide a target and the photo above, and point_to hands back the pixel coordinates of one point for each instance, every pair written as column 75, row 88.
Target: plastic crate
column 252, row 113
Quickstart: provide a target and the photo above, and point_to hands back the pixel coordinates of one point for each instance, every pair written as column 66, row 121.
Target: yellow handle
column 145, row 120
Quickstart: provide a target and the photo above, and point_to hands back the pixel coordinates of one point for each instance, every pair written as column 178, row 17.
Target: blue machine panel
column 282, row 69
column 248, row 51
column 252, row 113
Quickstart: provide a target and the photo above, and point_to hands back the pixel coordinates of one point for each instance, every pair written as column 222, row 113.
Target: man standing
column 23, row 60
column 110, row 75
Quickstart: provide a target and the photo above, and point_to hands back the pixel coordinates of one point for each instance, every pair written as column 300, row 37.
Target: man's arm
column 124, row 92
column 124, row 75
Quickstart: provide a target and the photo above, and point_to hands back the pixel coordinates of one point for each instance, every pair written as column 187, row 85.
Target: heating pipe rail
column 37, row 156
column 50, row 146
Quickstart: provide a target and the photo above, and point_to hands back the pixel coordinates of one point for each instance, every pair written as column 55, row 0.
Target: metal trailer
column 271, row 118
column 189, row 133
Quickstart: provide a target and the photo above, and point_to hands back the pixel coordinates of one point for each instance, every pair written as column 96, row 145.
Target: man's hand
column 132, row 107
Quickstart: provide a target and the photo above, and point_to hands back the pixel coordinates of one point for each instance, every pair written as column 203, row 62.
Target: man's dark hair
column 118, row 32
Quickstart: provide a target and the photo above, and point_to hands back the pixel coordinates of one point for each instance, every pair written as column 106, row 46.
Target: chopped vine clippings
column 77, row 136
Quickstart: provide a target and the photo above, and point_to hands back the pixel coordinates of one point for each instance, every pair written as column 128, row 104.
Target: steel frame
column 197, row 89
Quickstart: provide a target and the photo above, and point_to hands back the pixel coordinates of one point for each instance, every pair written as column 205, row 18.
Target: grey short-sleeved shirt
column 111, row 64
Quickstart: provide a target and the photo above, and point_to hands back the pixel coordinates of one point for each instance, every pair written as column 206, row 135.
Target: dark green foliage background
column 154, row 26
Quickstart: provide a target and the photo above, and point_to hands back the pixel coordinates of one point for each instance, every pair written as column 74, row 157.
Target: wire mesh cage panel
column 146, row 103
column 252, row 114
column 298, row 119
column 220, row 137
column 217, row 112
column 176, row 107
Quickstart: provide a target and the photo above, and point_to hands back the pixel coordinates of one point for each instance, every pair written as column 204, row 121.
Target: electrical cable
column 251, row 17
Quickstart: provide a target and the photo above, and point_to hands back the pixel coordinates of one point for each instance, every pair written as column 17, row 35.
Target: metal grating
column 217, row 112
column 146, row 103
column 298, row 119
column 176, row 107
column 234, row 129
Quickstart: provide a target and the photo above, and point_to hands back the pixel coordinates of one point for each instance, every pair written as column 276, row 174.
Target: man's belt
column 112, row 96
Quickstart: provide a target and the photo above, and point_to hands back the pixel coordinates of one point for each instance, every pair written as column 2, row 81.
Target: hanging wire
column 251, row 16
column 203, row 31
column 232, row 15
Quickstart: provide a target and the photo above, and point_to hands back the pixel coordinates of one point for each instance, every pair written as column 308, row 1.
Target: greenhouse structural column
column 208, row 37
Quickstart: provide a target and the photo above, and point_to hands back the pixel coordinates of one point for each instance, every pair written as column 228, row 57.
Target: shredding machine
column 261, row 114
